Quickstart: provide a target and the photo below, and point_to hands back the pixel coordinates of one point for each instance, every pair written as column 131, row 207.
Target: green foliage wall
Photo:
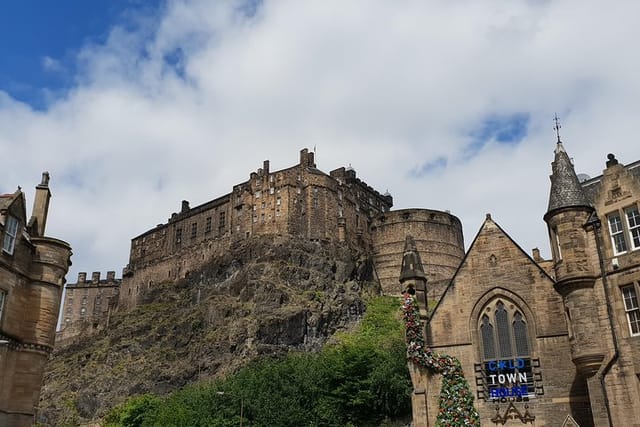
column 360, row 381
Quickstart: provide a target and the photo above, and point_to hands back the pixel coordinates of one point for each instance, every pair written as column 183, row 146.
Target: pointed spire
column 411, row 263
column 565, row 187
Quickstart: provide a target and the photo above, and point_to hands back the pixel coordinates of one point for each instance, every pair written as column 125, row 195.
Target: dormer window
column 10, row 234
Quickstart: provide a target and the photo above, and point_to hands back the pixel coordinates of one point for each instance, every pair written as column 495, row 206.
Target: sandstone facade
column 548, row 343
column 32, row 270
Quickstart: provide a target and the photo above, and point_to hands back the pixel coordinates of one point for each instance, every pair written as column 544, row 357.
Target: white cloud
column 194, row 98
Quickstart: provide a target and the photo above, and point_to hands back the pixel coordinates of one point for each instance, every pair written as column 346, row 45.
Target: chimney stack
column 41, row 205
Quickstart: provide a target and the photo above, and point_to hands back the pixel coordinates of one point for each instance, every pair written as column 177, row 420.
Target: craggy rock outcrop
column 266, row 296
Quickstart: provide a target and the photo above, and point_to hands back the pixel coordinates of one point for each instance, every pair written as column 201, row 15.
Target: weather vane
column 557, row 127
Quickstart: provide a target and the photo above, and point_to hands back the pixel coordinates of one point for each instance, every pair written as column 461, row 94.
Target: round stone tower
column 438, row 239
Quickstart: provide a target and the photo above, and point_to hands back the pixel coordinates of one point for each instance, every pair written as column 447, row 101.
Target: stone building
column 546, row 343
column 88, row 304
column 298, row 201
column 32, row 270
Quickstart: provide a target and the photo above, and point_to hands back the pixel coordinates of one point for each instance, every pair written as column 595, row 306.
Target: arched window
column 506, row 352
column 503, row 332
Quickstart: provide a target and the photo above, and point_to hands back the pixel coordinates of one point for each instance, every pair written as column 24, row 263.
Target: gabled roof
column 8, row 201
column 488, row 222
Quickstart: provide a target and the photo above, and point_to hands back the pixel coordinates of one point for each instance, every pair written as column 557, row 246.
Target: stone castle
column 541, row 342
column 32, row 271
column 300, row 201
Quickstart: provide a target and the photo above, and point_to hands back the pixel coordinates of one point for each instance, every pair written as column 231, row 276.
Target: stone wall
column 438, row 237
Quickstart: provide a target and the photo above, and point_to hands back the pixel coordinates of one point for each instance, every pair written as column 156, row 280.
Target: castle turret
column 575, row 261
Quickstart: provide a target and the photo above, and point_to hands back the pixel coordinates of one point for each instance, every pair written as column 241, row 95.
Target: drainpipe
column 597, row 225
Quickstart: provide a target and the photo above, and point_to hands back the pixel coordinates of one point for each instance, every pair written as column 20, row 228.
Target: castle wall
column 438, row 237
column 300, row 200
column 87, row 305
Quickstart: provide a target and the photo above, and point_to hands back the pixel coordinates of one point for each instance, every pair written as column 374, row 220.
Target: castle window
column 178, row 235
column 271, row 190
column 3, row 297
column 83, row 311
column 630, row 297
column 10, row 233
column 207, row 225
column 278, row 201
column 221, row 220
column 633, row 222
column 194, row 230
column 258, row 194
column 617, row 234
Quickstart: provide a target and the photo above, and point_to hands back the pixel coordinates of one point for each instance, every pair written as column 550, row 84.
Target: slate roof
column 565, row 188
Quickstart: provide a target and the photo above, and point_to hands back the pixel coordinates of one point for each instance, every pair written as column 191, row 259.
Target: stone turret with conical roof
column 569, row 219
column 566, row 191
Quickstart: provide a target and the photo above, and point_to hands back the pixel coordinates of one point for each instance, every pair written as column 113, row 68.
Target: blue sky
column 133, row 106
column 41, row 40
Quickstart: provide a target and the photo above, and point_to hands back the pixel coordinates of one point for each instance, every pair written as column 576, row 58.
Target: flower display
column 456, row 400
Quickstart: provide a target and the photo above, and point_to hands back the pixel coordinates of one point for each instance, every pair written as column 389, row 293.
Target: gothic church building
column 547, row 343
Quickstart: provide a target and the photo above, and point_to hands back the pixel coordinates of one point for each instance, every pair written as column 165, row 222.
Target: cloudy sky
column 133, row 106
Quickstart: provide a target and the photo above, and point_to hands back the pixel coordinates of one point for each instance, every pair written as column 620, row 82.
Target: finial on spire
column 557, row 127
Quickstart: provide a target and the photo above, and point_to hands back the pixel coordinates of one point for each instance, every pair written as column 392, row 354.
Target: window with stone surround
column 616, row 232
column 194, row 230
column 503, row 332
column 630, row 298
column 10, row 234
column 507, row 365
column 207, row 225
column 222, row 220
column 624, row 229
column 633, row 223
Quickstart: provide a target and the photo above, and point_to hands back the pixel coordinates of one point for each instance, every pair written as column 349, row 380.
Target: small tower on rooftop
column 412, row 277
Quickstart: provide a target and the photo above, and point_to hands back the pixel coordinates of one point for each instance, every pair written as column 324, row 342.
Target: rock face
column 266, row 296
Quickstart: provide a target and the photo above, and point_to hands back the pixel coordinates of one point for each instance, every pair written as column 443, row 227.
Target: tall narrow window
column 617, row 234
column 194, row 230
column 521, row 335
column 221, row 222
column 3, row 297
column 488, row 345
column 633, row 221
column 504, row 331
column 10, row 234
column 631, row 307
column 207, row 225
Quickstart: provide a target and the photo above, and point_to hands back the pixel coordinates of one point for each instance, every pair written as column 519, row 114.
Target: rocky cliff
column 266, row 296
